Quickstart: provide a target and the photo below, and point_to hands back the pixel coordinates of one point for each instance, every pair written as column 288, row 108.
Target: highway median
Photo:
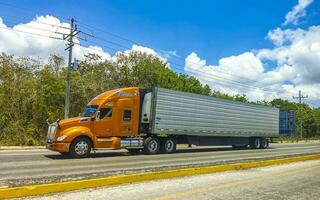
column 42, row 189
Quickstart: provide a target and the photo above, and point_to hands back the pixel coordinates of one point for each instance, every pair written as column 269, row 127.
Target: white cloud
column 168, row 54
column 297, row 12
column 296, row 57
column 80, row 52
column 294, row 60
column 281, row 37
column 146, row 50
column 143, row 49
column 245, row 66
column 38, row 44
column 300, row 50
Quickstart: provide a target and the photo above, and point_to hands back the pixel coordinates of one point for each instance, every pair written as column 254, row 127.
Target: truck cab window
column 105, row 112
column 127, row 115
column 89, row 110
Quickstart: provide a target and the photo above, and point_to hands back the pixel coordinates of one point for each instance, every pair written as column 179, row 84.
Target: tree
column 31, row 91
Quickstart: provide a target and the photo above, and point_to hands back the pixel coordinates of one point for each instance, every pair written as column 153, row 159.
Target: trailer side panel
column 182, row 113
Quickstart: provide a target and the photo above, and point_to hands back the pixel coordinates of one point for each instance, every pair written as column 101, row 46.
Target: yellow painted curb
column 31, row 190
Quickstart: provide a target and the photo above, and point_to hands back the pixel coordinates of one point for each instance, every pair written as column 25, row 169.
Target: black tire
column 134, row 150
column 264, row 143
column 168, row 145
column 151, row 145
column 80, row 147
column 64, row 154
column 255, row 143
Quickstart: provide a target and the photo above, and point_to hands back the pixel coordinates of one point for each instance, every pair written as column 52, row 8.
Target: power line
column 177, row 57
column 14, row 16
column 228, row 82
column 87, row 26
column 174, row 56
column 42, row 29
column 106, row 32
column 34, row 34
column 25, row 9
column 209, row 77
column 101, row 45
column 53, row 25
column 203, row 73
column 111, row 42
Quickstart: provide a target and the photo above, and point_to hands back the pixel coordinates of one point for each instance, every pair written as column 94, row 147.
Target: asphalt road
column 292, row 181
column 41, row 166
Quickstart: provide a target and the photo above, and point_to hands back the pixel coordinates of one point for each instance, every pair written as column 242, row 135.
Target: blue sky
column 213, row 29
column 264, row 49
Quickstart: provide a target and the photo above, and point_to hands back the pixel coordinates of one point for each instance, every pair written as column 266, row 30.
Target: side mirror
column 97, row 115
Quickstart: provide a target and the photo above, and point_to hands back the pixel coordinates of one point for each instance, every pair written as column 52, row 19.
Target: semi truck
column 155, row 120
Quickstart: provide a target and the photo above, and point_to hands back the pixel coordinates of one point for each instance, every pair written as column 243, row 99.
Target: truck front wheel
column 80, row 147
column 151, row 145
column 168, row 145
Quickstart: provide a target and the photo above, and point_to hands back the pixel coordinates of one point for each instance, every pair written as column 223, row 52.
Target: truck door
column 126, row 122
column 128, row 116
column 103, row 123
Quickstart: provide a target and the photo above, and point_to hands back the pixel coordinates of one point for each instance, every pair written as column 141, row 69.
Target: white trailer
column 204, row 120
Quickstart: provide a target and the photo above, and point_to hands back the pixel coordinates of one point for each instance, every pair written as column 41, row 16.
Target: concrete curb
column 42, row 189
column 297, row 142
column 21, row 147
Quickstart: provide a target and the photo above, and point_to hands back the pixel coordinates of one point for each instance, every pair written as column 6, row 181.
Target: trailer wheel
column 151, row 145
column 255, row 143
column 168, row 145
column 264, row 143
column 80, row 147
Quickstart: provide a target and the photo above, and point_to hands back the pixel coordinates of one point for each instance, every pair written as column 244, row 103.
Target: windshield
column 89, row 111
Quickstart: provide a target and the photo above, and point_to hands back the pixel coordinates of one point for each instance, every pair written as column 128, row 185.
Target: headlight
column 59, row 139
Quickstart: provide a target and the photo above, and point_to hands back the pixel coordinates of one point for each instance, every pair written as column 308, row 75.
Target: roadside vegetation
column 32, row 91
column 295, row 139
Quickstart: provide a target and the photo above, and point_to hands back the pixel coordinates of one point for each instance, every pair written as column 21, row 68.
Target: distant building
column 286, row 123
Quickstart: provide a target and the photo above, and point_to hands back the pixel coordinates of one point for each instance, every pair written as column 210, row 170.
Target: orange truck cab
column 109, row 121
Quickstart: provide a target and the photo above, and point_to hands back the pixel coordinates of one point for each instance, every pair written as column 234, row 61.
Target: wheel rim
column 81, row 148
column 153, row 146
column 169, row 145
column 264, row 143
column 257, row 143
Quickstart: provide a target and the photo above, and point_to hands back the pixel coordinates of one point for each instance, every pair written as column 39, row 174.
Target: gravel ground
column 294, row 181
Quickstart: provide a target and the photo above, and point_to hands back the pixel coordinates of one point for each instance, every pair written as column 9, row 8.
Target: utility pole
column 69, row 38
column 300, row 97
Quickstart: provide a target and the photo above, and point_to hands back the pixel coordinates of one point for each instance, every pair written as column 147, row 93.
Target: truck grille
column 51, row 132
